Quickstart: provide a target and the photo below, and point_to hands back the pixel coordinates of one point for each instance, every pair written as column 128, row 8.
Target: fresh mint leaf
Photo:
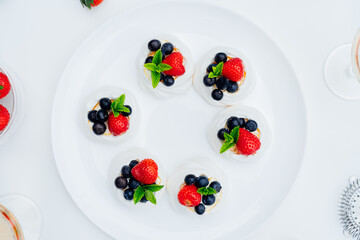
column 202, row 191
column 211, row 191
column 153, row 187
column 206, row 191
column 150, row 66
column 117, row 105
column 150, row 196
column 87, row 3
column 235, row 134
column 1, row 87
column 228, row 137
column 164, row 67
column 139, row 193
column 123, row 109
column 226, row 146
column 217, row 71
column 212, row 75
column 156, row 67
column 157, row 59
column 155, row 77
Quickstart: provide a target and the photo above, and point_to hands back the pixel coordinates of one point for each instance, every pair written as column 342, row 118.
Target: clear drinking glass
column 342, row 70
column 20, row 218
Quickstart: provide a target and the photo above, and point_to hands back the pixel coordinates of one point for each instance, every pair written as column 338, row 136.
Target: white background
column 38, row 37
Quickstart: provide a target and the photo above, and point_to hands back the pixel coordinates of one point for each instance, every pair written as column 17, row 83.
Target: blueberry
column 121, row 182
column 102, row 115
column 232, row 87
column 149, row 59
column 222, row 83
column 216, row 185
column 143, row 199
column 162, row 75
column 99, row 128
column 154, row 45
column 133, row 183
column 220, row 57
column 217, row 94
column 232, row 122
column 126, row 171
column 209, row 69
column 163, row 55
column 129, row 194
column 221, row 132
column 167, row 48
column 208, row 199
column 201, row 181
column 105, row 103
column 251, row 125
column 92, row 116
column 200, row 209
column 190, row 179
column 242, row 122
column 133, row 163
column 126, row 114
column 209, row 81
column 168, row 81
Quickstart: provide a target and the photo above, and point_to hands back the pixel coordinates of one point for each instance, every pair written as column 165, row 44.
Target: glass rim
column 355, row 55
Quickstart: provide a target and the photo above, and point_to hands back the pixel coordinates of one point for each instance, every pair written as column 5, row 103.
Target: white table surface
column 38, row 37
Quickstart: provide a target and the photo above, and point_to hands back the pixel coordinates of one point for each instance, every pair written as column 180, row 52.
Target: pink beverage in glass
column 342, row 69
column 355, row 56
column 9, row 226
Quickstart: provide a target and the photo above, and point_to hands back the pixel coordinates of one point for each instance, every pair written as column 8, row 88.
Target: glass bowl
column 14, row 103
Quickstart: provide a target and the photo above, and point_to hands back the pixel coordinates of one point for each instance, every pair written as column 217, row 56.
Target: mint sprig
column 217, row 71
column 117, row 106
column 157, row 67
column 1, row 87
column 87, row 3
column 148, row 192
column 206, row 191
column 230, row 139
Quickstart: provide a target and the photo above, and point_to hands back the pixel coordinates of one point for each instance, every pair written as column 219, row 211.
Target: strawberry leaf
column 150, row 66
column 235, row 134
column 157, row 59
column 139, row 193
column 150, row 196
column 1, row 87
column 155, row 77
column 153, row 187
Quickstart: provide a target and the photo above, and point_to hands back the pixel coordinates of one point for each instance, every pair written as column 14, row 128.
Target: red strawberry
column 96, row 3
column 4, row 85
column 90, row 3
column 117, row 125
column 247, row 143
column 188, row 196
column 4, row 117
column 175, row 60
column 145, row 171
column 233, row 69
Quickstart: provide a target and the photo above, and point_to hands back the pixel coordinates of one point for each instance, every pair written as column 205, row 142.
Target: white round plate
column 175, row 129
